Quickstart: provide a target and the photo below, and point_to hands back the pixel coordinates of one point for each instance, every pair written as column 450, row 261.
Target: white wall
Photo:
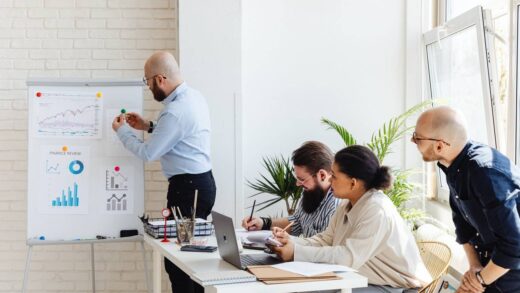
column 209, row 56
column 307, row 59
column 286, row 64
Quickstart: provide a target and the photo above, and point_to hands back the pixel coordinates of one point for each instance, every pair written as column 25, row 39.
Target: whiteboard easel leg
column 93, row 267
column 27, row 267
column 146, row 273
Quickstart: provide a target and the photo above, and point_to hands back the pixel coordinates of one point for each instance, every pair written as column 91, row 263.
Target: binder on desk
column 270, row 275
column 223, row 277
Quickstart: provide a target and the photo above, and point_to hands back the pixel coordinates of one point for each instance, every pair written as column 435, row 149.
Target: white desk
column 192, row 262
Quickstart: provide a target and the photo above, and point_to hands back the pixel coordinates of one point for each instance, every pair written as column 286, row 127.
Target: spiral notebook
column 223, row 277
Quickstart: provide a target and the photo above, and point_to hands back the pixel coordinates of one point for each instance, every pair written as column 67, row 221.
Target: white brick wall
column 67, row 38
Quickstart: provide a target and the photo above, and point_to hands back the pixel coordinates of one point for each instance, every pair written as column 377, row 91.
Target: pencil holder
column 185, row 230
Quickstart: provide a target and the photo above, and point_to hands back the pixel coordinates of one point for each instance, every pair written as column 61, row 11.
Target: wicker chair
column 436, row 257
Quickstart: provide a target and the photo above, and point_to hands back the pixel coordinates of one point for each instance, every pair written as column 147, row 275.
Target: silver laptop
column 228, row 246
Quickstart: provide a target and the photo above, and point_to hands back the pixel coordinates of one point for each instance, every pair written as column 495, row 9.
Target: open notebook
column 223, row 277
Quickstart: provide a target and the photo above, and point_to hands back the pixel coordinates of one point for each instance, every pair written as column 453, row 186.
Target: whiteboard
column 81, row 180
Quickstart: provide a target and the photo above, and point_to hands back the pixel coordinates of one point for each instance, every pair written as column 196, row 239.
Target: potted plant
column 281, row 184
column 381, row 143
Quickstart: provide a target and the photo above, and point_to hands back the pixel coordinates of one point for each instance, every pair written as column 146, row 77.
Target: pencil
column 195, row 205
column 287, row 227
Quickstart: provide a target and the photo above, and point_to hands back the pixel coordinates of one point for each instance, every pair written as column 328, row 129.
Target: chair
column 436, row 257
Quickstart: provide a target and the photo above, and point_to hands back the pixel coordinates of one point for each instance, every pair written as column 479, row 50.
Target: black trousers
column 181, row 193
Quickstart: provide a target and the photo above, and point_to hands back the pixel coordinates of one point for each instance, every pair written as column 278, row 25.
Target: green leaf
column 348, row 139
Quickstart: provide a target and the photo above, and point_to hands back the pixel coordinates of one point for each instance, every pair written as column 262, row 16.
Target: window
column 498, row 27
column 460, row 53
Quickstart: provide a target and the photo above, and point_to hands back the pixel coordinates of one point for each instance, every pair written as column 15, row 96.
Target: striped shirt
column 311, row 224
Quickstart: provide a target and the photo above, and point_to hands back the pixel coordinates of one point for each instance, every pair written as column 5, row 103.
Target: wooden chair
column 436, row 257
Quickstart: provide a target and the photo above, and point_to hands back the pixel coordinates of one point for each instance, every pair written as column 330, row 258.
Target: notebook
column 223, row 277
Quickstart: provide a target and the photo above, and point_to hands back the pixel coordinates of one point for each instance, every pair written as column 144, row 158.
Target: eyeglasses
column 145, row 80
column 302, row 181
column 415, row 139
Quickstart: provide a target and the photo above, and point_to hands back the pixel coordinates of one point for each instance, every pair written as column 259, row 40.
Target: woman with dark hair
column 366, row 232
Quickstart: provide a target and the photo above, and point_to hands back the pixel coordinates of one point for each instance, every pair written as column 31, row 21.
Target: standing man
column 484, row 198
column 180, row 139
column 312, row 170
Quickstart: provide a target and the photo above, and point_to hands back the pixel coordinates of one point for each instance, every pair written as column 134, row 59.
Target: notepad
column 223, row 277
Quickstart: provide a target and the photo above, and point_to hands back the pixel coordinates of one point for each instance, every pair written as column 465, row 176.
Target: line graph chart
column 69, row 116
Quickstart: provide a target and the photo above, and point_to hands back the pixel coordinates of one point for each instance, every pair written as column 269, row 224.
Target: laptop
column 228, row 246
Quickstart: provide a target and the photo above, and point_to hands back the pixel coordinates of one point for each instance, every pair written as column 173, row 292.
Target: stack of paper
column 155, row 228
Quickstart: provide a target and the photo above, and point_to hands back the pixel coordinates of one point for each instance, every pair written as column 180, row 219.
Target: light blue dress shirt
column 181, row 136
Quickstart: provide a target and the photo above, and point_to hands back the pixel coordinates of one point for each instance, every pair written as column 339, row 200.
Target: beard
column 311, row 199
column 429, row 155
column 158, row 94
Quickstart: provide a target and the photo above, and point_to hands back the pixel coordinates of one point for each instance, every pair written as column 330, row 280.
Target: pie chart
column 76, row 167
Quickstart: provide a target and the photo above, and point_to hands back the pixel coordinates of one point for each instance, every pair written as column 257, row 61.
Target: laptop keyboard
column 248, row 260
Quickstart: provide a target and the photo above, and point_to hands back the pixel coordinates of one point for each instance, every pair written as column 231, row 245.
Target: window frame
column 480, row 19
column 513, row 133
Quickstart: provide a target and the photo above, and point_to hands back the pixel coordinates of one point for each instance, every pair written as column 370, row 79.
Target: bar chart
column 116, row 180
column 68, row 198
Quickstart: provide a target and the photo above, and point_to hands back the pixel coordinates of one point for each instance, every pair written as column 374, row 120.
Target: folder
column 270, row 275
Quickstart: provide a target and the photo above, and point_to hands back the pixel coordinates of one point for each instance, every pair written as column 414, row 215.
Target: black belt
column 189, row 176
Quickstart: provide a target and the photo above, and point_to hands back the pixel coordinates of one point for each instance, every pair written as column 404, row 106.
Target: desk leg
column 157, row 271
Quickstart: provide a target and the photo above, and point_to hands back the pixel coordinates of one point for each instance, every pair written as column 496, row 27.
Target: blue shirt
column 484, row 187
column 181, row 137
column 311, row 224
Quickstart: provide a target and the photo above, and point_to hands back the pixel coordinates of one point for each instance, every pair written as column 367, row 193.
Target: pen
column 252, row 211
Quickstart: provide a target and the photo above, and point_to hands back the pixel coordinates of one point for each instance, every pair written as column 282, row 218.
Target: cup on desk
column 185, row 231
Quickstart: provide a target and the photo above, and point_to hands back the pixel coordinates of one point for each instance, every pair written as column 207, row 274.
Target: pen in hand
column 252, row 211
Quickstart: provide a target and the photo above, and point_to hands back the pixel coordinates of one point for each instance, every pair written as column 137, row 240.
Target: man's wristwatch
column 267, row 222
column 480, row 279
column 150, row 129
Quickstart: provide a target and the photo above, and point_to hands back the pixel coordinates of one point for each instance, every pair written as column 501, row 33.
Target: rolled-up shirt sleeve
column 164, row 137
column 498, row 194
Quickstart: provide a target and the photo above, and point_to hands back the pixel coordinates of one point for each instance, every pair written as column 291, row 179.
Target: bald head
column 163, row 63
column 443, row 123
